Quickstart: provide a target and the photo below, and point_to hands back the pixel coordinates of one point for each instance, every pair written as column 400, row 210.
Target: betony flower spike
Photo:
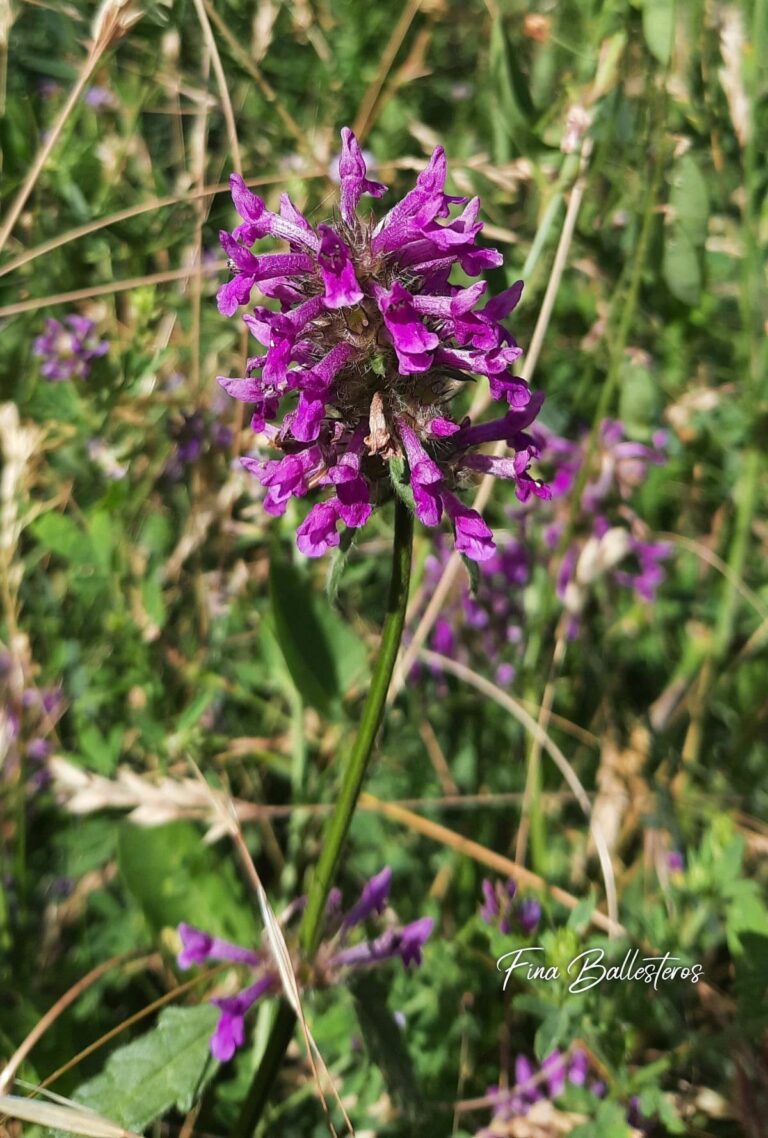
column 367, row 346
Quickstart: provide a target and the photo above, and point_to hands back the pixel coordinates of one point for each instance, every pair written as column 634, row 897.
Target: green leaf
column 510, row 106
column 689, row 199
column 659, row 28
column 639, row 396
column 348, row 650
column 553, row 1031
column 750, row 987
column 153, row 600
column 681, row 267
column 101, row 752
column 192, row 715
column 300, row 635
column 579, row 918
column 158, row 865
column 104, row 536
column 60, row 535
column 322, row 654
column 168, row 1067
column 609, row 1122
column 655, row 1104
column 687, row 232
column 745, row 912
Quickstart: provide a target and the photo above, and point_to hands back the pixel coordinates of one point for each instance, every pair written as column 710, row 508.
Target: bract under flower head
column 367, row 347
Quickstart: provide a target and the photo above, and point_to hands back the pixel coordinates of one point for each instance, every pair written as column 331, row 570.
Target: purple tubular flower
column 68, row 350
column 406, row 943
column 337, row 270
column 372, row 899
column 352, row 171
column 198, row 947
column 39, row 749
column 473, row 538
column 443, row 639
column 230, row 1030
column 413, row 342
column 412, row 940
column 366, row 341
column 317, row 533
column 259, row 222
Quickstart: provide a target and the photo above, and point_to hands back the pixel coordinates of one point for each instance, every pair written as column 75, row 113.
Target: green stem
column 266, row 1072
column 373, row 713
column 340, row 820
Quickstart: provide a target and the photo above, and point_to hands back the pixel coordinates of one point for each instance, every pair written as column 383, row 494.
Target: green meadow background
column 619, row 152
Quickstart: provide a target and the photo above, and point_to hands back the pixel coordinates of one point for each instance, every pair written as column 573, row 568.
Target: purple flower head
column 367, row 341
column 532, row 1086
column 68, row 349
column 335, row 955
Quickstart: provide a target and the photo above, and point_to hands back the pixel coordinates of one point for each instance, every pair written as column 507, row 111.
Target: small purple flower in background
column 194, row 432
column 369, row 346
column 607, row 533
column 99, row 98
column 675, row 861
column 68, row 349
column 489, row 625
column 28, row 717
column 532, row 1086
column 497, row 906
column 334, row 956
column 529, row 915
column 501, row 907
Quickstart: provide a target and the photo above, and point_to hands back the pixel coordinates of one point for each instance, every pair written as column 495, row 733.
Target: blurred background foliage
column 160, row 617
